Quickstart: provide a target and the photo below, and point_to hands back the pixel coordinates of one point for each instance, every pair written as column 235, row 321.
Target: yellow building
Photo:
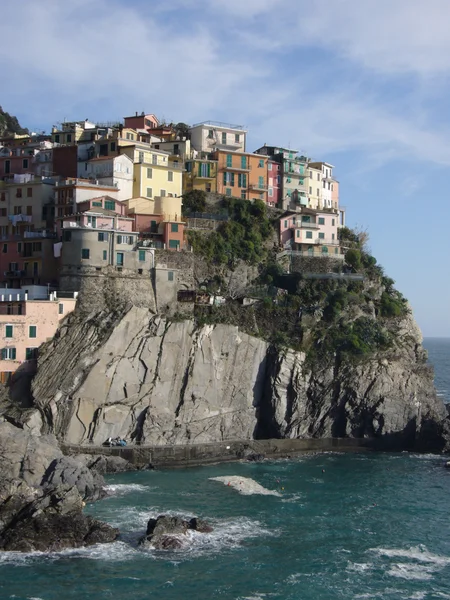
column 154, row 174
column 200, row 174
column 313, row 184
column 161, row 205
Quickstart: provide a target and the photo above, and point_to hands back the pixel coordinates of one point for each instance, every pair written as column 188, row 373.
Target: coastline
column 178, row 456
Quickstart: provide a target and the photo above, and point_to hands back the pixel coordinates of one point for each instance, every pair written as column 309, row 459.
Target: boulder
column 67, row 470
column 49, row 519
column 166, row 533
column 106, row 464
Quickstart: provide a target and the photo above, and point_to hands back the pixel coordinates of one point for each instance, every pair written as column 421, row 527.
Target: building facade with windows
column 25, row 324
column 274, row 183
column 158, row 221
column 312, row 232
column 209, row 136
column 200, row 174
column 241, row 175
column 111, row 171
column 154, row 174
column 325, row 171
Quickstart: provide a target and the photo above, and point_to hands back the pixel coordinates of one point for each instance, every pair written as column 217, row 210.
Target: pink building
column 274, row 183
column 141, row 121
column 312, row 232
column 26, row 324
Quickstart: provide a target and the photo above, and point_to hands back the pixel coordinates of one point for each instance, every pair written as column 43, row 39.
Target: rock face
column 146, row 379
column 167, row 533
column 42, row 494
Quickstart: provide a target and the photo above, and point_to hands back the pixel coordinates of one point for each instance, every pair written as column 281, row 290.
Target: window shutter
column 13, row 354
column 3, row 353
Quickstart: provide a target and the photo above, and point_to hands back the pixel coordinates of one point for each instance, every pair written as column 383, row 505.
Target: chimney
column 136, row 113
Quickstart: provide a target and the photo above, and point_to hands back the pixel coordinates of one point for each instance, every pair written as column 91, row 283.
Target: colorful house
column 200, row 174
column 241, row 175
column 28, row 318
column 158, row 221
column 311, row 232
column 274, row 183
column 112, row 171
column 209, row 136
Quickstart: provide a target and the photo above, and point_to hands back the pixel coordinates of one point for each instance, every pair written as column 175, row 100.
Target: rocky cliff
column 147, row 379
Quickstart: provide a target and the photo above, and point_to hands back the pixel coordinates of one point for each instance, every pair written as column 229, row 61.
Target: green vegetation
column 194, row 201
column 243, row 237
column 10, row 124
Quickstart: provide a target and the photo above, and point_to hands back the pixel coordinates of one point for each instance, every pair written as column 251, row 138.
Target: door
column 119, row 260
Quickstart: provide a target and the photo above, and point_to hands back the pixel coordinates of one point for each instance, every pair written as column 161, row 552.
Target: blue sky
column 363, row 84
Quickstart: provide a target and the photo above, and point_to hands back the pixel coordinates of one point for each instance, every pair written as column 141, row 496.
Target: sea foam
column 245, row 485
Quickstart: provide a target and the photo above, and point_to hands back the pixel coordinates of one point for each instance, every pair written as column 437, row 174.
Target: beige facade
column 212, row 135
column 24, row 326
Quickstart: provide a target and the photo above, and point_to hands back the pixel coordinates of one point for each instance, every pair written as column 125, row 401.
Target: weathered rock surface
column 158, row 382
column 99, row 463
column 167, row 533
column 42, row 494
column 47, row 519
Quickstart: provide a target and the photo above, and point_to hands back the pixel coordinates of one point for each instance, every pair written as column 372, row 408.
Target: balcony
column 211, row 176
column 20, row 218
column 241, row 169
column 40, row 234
column 15, row 274
column 294, row 174
column 306, row 225
column 257, row 188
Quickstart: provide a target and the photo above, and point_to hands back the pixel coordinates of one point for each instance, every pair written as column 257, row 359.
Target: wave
column 418, row 553
column 245, row 486
column 121, row 489
column 411, row 571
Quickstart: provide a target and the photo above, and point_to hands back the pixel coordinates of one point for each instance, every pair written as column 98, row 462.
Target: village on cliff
column 105, row 197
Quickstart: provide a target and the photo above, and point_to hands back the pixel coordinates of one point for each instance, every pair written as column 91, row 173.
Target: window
column 110, row 205
column 336, row 250
column 29, row 211
column 174, row 243
column 9, row 331
column 113, row 146
column 162, row 193
column 170, row 176
column 243, row 162
column 321, row 236
column 298, row 233
column 85, row 253
column 61, row 309
column 270, row 192
column 97, row 204
column 8, row 354
column 25, row 163
column 57, row 138
column 332, row 221
column 324, row 250
column 69, row 137
column 321, row 221
column 244, row 195
column 308, row 235
column 318, row 192
column 32, row 331
column 237, row 138
column 105, row 255
column 7, row 166
column 229, row 160
column 170, row 275
column 19, row 247
column 228, row 191
column 174, row 227
column 210, row 133
column 318, row 176
column 19, row 193
column 142, row 255
column 149, row 173
column 224, row 137
column 31, row 353
column 102, row 236
column 29, row 192
column 269, row 166
column 324, row 185
column 332, row 236
column 119, row 259
column 5, row 248
column 149, row 192
column 260, row 182
column 37, row 246
column 261, row 163
column 154, row 159
column 67, row 236
column 92, row 221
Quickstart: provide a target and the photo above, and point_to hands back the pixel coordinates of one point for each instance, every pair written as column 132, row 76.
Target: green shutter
column 13, row 353
column 239, row 180
column 3, row 353
column 244, row 180
column 229, row 160
column 261, row 182
column 32, row 331
column 243, row 162
column 232, row 179
column 9, row 331
column 224, row 179
column 141, row 255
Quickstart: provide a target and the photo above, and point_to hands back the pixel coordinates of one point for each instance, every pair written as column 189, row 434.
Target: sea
column 321, row 526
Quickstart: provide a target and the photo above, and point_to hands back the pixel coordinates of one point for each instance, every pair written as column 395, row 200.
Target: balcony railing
column 257, row 188
column 306, row 225
column 241, row 169
column 15, row 274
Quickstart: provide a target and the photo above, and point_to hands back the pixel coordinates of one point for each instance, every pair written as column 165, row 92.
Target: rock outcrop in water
column 147, row 379
column 42, row 495
column 168, row 533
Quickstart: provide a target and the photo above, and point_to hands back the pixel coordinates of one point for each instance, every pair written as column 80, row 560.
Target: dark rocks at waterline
column 166, row 533
column 47, row 519
column 103, row 464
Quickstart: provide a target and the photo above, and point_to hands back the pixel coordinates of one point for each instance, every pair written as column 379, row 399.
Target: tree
column 353, row 258
column 194, row 201
column 182, row 130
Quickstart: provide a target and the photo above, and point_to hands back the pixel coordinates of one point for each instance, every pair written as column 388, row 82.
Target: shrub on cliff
column 194, row 201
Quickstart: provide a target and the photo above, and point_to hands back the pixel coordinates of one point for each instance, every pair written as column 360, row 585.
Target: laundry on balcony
column 20, row 219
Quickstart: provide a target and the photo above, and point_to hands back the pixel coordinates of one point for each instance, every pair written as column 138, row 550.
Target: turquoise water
column 370, row 526
column 439, row 356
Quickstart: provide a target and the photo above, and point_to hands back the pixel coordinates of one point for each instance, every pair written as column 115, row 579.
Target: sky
column 363, row 84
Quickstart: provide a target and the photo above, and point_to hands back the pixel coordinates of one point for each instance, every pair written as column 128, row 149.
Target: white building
column 113, row 171
column 327, row 182
column 211, row 135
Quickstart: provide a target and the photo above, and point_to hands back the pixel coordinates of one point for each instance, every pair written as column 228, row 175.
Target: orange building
column 241, row 175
